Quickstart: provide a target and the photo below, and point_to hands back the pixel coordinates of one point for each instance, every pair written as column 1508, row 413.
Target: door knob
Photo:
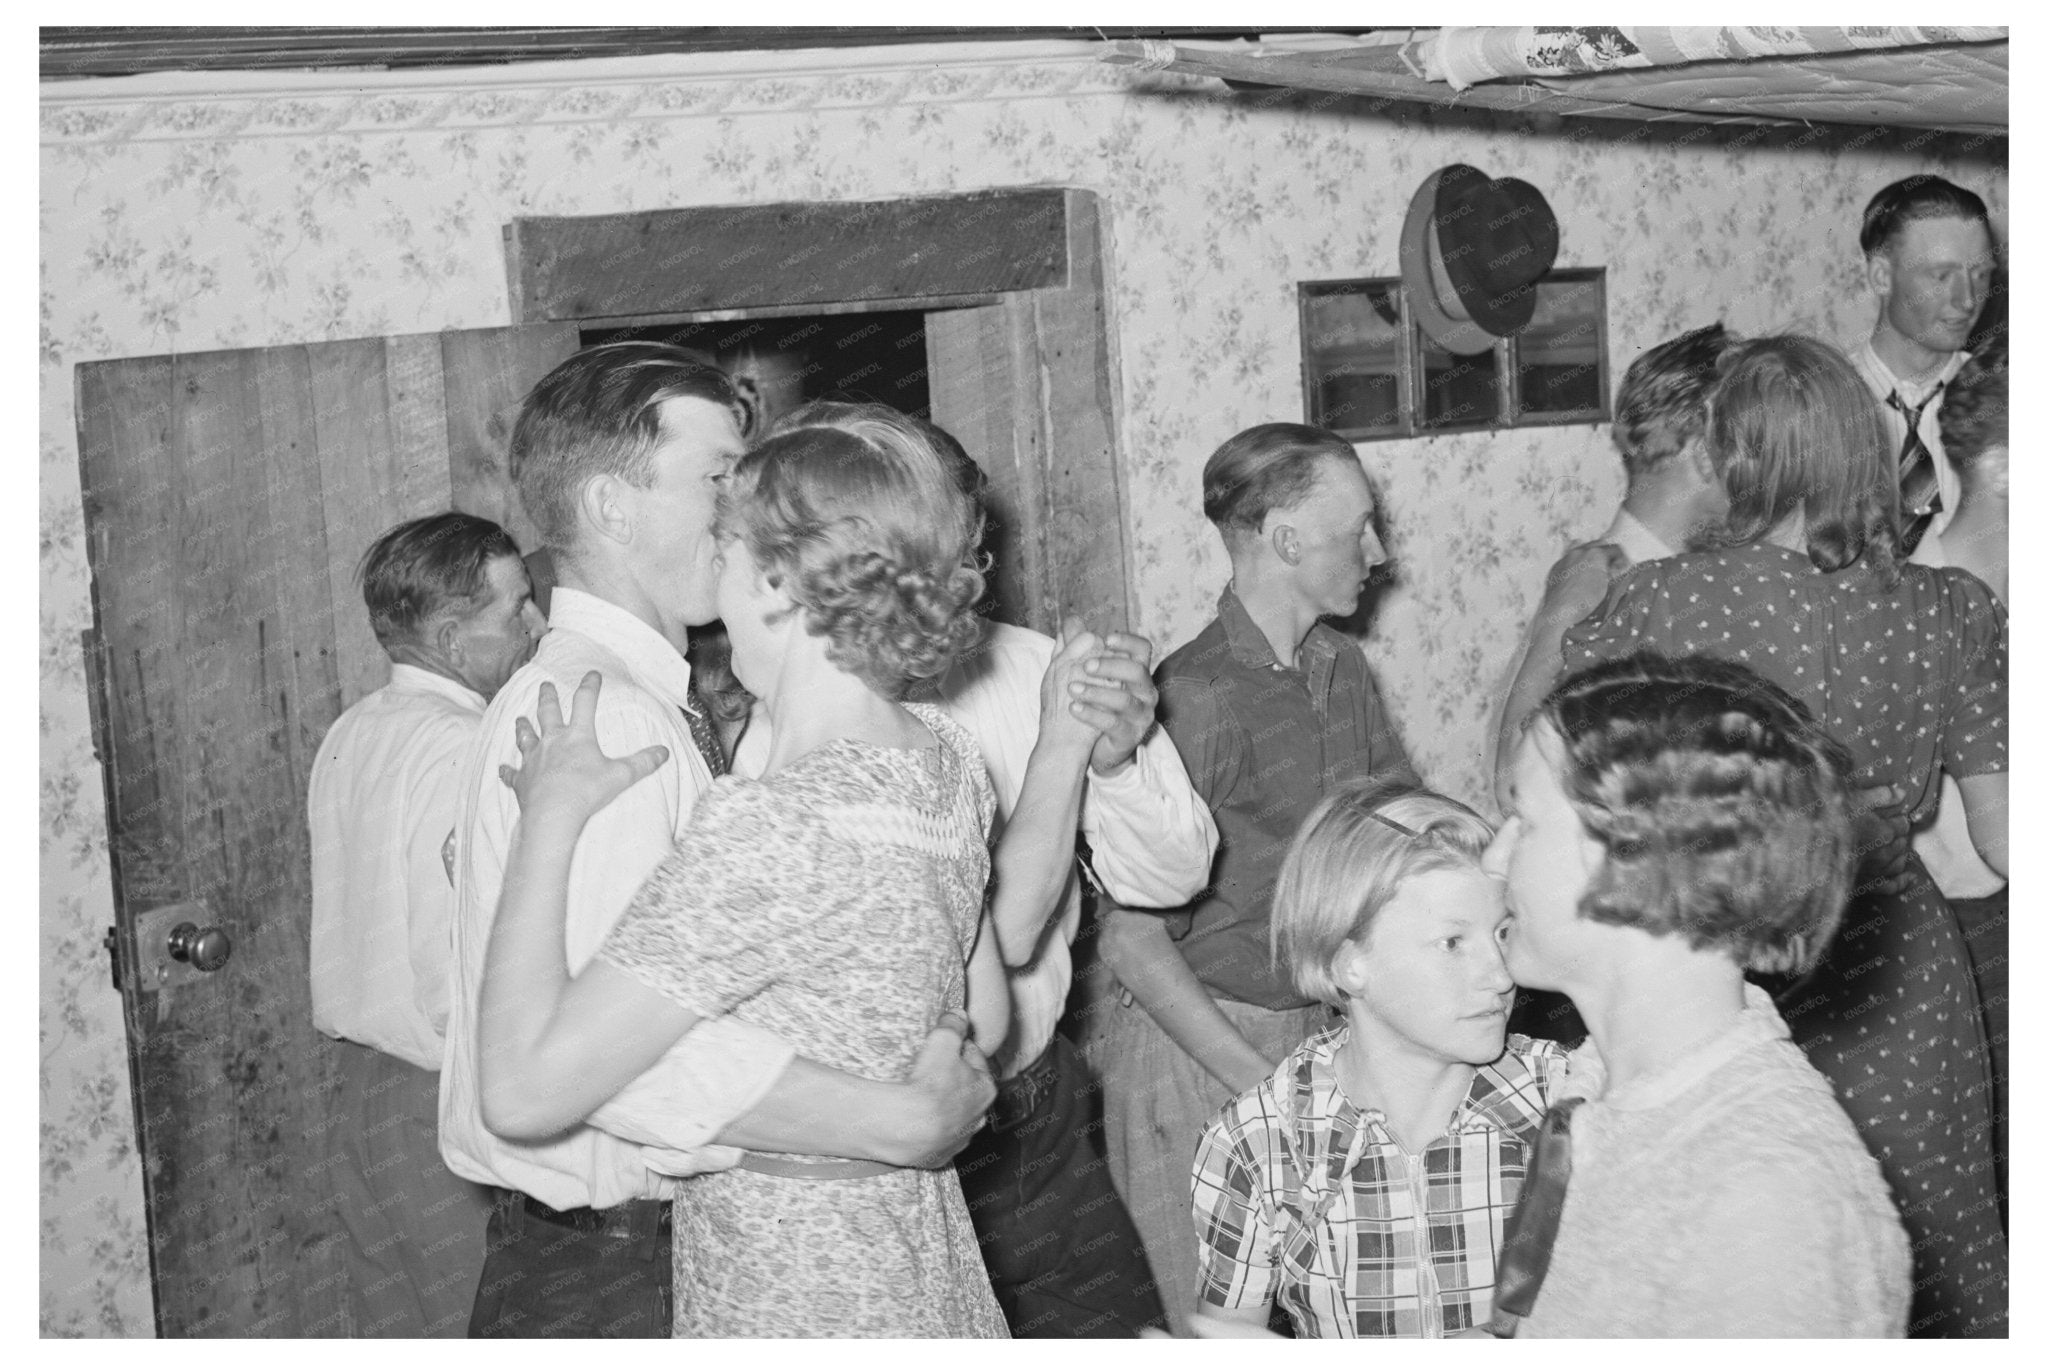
column 206, row 950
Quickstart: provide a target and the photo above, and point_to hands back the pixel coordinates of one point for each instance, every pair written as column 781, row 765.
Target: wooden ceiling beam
column 1378, row 73
column 71, row 53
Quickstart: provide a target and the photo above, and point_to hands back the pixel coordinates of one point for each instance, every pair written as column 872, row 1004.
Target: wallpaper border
column 188, row 106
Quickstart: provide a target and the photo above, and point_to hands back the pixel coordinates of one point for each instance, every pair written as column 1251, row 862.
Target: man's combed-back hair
column 853, row 509
column 1973, row 409
column 1722, row 805
column 1347, row 862
column 1265, row 469
column 1793, row 425
column 1912, row 199
column 420, row 570
column 1662, row 402
column 599, row 412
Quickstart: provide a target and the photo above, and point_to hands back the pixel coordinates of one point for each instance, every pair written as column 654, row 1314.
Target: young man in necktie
column 1930, row 259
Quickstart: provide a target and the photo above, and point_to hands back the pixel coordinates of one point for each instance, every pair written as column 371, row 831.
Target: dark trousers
column 415, row 1229
column 1059, row 1245
column 577, row 1273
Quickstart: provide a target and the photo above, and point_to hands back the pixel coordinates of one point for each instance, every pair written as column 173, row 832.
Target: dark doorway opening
column 782, row 363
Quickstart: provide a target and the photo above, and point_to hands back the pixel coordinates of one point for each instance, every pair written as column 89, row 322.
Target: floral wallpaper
column 187, row 213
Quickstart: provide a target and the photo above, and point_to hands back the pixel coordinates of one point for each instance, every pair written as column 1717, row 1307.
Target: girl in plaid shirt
column 1365, row 1185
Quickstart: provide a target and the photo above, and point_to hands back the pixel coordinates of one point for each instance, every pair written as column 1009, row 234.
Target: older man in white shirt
column 449, row 602
column 618, row 454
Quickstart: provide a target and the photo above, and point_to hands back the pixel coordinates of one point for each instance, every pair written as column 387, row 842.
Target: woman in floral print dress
column 836, row 901
column 1906, row 666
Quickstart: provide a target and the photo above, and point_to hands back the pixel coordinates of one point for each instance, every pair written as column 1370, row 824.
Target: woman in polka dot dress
column 1906, row 665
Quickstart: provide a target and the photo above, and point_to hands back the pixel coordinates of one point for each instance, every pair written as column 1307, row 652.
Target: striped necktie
column 1919, row 488
column 697, row 716
column 1532, row 1227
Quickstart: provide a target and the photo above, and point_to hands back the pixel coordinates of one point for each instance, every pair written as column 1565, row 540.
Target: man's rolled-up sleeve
column 719, row 1071
column 1152, row 838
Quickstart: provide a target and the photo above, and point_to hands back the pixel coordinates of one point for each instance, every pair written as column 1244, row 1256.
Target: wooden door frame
column 1034, row 398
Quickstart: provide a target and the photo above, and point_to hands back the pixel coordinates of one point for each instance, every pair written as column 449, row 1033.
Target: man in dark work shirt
column 1270, row 708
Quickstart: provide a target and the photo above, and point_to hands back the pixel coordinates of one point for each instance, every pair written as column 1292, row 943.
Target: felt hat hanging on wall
column 1472, row 249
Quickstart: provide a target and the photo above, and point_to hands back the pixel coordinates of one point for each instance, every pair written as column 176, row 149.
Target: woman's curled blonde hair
column 851, row 510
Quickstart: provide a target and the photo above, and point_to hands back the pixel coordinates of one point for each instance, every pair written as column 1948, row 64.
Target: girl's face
column 1547, row 859
column 1429, row 979
column 752, row 612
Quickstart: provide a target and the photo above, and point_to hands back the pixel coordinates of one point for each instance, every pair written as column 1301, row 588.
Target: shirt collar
column 1503, row 1096
column 1912, row 395
column 655, row 663
column 1757, row 1023
column 1249, row 645
column 1636, row 540
column 413, row 678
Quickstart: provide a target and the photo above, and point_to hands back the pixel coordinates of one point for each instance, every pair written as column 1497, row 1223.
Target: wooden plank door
column 228, row 497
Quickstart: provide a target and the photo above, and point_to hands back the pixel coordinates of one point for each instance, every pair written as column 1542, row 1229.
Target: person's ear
column 446, row 639
column 1699, row 461
column 1878, row 269
column 601, row 503
column 1348, row 967
column 1286, row 542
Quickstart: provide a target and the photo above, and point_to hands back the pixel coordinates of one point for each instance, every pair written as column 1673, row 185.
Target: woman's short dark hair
column 1662, row 403
column 1722, row 805
column 599, row 412
column 419, row 570
column 1912, row 199
column 1794, row 426
column 1265, row 469
column 852, row 508
column 1973, row 410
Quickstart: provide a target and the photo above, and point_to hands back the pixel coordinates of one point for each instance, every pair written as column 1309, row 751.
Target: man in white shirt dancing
column 449, row 602
column 618, row 454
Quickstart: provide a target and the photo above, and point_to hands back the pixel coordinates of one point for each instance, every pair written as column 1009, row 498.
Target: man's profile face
column 672, row 549
column 1339, row 545
column 499, row 636
column 1932, row 281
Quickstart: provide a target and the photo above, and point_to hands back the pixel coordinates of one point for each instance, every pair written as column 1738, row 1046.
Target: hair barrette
column 1394, row 825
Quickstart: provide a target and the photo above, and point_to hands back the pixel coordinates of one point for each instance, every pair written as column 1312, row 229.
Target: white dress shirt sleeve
column 385, row 793
column 1152, row 838
column 433, row 802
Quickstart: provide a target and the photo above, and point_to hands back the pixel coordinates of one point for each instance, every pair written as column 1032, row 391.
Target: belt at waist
column 830, row 1168
column 634, row 1218
column 1017, row 1096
